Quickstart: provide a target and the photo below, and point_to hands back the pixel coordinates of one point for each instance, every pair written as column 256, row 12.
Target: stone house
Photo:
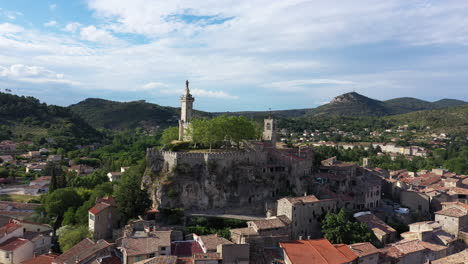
column 262, row 234
column 144, row 245
column 103, row 218
column 209, row 243
column 305, row 213
column 453, row 217
column 16, row 250
column 461, row 257
column 366, row 252
column 412, row 252
column 384, row 233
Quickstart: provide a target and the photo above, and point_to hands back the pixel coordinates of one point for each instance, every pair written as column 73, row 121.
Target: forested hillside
column 127, row 115
column 28, row 119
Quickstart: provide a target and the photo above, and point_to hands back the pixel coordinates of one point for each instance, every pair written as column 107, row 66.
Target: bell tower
column 269, row 130
column 186, row 110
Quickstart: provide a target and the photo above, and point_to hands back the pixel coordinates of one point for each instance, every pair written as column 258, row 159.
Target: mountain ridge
column 102, row 113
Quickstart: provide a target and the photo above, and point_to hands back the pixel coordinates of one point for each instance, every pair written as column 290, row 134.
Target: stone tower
column 185, row 113
column 269, row 130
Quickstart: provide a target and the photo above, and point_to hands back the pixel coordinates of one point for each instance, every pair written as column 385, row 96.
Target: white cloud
column 154, row 85
column 72, row 27
column 50, row 23
column 93, row 34
column 33, row 74
column 213, row 94
column 301, row 85
column 6, row 28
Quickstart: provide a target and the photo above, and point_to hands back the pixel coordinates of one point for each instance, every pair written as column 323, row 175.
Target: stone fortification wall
column 225, row 159
column 248, row 178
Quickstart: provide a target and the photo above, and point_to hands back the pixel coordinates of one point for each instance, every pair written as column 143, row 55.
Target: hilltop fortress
column 242, row 180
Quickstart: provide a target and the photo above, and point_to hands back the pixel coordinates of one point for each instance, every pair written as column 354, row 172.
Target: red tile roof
column 9, row 228
column 13, row 243
column 363, row 249
column 185, row 248
column 319, row 251
column 42, row 259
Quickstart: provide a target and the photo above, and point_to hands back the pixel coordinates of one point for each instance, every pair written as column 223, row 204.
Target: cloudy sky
column 238, row 55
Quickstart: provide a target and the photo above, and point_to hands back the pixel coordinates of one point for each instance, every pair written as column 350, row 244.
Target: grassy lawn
column 17, row 197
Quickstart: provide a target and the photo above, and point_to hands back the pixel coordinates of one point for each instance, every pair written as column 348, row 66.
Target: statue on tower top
column 187, row 87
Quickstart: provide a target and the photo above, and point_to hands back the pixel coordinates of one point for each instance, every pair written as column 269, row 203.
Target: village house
column 6, row 159
column 35, row 167
column 87, row 251
column 54, row 158
column 265, row 233
column 17, row 210
column 103, row 218
column 304, row 213
column 384, row 233
column 15, row 250
column 81, row 169
column 114, row 176
column 144, row 245
column 316, row 251
column 412, row 251
column 453, row 217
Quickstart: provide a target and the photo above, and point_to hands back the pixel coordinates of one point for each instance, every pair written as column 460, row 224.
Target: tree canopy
column 339, row 229
column 212, row 132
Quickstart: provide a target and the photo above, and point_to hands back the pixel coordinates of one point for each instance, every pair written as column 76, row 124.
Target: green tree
column 59, row 201
column 339, row 229
column 132, row 200
column 72, row 235
column 169, row 134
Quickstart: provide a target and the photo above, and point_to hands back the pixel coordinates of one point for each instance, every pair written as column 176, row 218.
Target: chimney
column 308, row 237
column 300, row 237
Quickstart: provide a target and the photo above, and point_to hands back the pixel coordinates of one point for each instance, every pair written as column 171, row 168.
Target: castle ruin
column 242, row 180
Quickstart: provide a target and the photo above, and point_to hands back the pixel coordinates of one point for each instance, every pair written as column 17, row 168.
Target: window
column 163, row 248
column 152, row 255
column 91, row 217
column 268, row 126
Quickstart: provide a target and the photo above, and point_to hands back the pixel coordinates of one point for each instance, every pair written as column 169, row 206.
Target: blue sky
column 237, row 54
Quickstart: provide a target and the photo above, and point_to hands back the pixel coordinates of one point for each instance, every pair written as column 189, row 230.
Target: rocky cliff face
column 242, row 186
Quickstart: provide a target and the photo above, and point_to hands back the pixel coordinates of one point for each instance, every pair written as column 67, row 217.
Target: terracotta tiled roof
column 9, row 228
column 21, row 206
column 272, row 223
column 363, row 249
column 185, row 248
column 211, row 242
column 13, row 243
column 159, row 260
column 42, row 259
column 246, row 231
column 83, row 250
column 302, row 199
column 99, row 207
column 376, row 224
column 452, row 212
column 319, row 251
column 461, row 257
column 146, row 245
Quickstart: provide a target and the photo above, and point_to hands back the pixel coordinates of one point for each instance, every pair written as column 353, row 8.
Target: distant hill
column 28, row 118
column 453, row 119
column 354, row 104
column 102, row 113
